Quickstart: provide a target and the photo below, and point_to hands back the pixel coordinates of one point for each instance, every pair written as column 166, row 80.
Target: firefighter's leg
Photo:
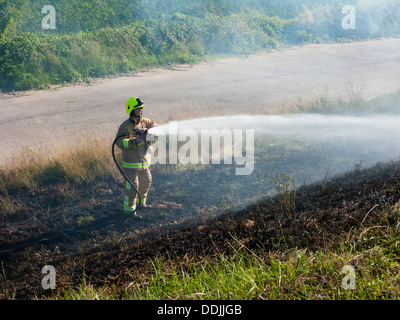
column 145, row 180
column 130, row 193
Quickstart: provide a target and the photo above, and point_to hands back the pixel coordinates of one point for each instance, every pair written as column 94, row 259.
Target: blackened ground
column 114, row 247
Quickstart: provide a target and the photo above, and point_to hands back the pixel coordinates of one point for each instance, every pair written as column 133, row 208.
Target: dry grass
column 284, row 272
column 65, row 163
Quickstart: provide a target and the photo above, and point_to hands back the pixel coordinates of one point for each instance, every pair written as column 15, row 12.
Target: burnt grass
column 81, row 231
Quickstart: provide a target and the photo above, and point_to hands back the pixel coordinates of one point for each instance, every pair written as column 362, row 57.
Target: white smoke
column 374, row 4
column 312, row 147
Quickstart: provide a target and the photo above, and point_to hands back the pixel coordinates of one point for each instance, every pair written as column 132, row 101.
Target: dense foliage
column 100, row 37
column 90, row 15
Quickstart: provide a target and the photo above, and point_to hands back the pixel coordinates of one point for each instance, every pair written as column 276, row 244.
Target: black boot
column 137, row 216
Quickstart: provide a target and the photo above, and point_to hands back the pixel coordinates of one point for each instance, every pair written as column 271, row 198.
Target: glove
column 141, row 136
column 139, row 139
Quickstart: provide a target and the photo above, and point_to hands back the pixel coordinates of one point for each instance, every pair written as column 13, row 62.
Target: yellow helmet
column 132, row 104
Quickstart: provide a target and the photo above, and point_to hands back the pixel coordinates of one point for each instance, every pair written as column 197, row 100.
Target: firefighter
column 135, row 156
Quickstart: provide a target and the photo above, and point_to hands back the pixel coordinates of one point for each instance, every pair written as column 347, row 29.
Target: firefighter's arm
column 125, row 142
column 151, row 124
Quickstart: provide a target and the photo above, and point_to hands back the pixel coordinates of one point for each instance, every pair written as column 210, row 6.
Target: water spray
column 330, row 143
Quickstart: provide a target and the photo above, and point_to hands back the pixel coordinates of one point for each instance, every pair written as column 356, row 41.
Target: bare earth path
column 48, row 118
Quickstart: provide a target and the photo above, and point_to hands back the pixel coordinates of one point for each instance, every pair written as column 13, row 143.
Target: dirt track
column 57, row 116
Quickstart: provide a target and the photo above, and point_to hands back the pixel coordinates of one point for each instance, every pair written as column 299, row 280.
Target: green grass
column 283, row 273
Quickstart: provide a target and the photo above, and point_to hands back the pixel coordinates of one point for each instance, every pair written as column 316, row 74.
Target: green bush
column 34, row 60
column 99, row 38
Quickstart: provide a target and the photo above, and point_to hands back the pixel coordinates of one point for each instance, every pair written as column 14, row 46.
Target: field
column 284, row 232
column 318, row 218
